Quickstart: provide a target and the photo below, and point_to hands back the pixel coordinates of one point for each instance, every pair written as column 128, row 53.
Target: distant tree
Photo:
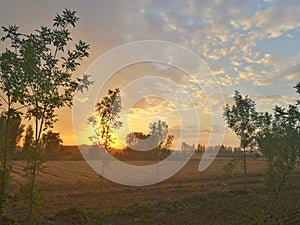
column 41, row 63
column 28, row 139
column 15, row 131
column 224, row 150
column 159, row 133
column 167, row 145
column 106, row 118
column 157, row 142
column 51, row 141
column 236, row 149
column 242, row 119
column 184, row 146
column 200, row 148
column 138, row 140
column 140, row 135
column 187, row 147
column 10, row 134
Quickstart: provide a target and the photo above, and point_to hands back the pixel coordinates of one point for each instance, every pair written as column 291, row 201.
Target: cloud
column 217, row 70
column 250, row 73
column 255, row 76
column 291, row 74
column 227, row 81
column 280, row 17
column 269, row 102
column 259, row 58
column 262, row 82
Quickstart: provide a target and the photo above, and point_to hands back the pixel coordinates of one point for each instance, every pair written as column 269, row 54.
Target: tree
column 158, row 138
column 105, row 118
column 168, row 142
column 10, row 134
column 159, row 132
column 44, row 67
column 51, row 141
column 187, row 147
column 200, row 148
column 297, row 87
column 104, row 121
column 279, row 140
column 138, row 140
column 28, row 139
column 157, row 141
column 242, row 119
column 15, row 131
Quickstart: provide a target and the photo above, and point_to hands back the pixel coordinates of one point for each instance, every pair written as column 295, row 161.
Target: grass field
column 71, row 195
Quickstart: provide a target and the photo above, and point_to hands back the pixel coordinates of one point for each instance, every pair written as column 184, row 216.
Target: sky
column 250, row 46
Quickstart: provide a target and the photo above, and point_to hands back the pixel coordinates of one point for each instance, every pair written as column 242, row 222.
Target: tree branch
column 4, row 99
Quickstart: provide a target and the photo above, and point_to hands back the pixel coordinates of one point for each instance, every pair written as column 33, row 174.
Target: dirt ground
column 71, row 194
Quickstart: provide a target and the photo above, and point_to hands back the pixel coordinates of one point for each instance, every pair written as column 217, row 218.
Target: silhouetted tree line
column 224, row 151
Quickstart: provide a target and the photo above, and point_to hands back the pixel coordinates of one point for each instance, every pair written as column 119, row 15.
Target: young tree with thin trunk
column 104, row 121
column 242, row 119
column 106, row 118
column 45, row 68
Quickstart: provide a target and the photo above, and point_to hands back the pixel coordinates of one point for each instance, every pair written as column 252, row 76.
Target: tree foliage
column 15, row 131
column 159, row 134
column 141, row 141
column 242, row 119
column 106, row 118
column 51, row 141
column 10, row 134
column 297, row 87
column 138, row 140
column 154, row 145
column 28, row 138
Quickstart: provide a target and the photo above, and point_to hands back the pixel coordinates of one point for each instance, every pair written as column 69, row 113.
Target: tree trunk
column 101, row 181
column 278, row 190
column 31, row 200
column 32, row 178
column 4, row 169
column 5, row 172
column 245, row 167
column 31, row 190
